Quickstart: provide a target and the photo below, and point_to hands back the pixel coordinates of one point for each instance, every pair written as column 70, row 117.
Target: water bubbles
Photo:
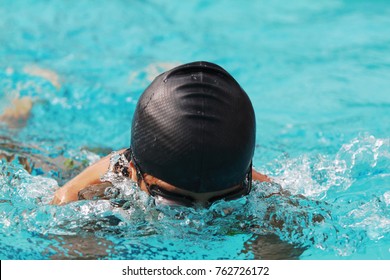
column 312, row 177
column 111, row 192
column 362, row 155
column 318, row 175
column 386, row 197
column 317, row 202
column 344, row 204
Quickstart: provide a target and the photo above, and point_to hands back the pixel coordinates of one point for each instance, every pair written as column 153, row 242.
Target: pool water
column 317, row 73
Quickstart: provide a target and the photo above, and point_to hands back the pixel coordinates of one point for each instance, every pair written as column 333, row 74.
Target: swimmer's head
column 194, row 128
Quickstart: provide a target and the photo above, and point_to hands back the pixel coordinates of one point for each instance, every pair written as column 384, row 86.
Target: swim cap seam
column 147, row 103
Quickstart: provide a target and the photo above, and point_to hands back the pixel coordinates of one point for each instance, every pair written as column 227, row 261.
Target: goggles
column 168, row 197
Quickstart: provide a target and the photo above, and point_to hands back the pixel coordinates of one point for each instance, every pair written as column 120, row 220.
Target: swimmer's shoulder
column 257, row 176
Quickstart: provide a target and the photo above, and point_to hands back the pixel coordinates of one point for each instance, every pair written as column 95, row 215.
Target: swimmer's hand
column 90, row 176
column 64, row 195
column 67, row 194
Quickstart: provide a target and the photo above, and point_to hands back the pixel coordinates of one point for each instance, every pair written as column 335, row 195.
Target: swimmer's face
column 169, row 194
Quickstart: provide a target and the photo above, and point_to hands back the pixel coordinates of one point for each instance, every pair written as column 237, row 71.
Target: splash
column 338, row 204
column 316, row 176
column 317, row 202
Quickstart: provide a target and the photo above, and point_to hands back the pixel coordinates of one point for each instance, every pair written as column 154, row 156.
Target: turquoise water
column 317, row 73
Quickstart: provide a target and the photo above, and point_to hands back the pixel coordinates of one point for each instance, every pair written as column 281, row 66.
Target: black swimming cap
column 194, row 127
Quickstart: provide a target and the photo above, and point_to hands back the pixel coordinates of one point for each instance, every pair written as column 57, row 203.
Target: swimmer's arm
column 90, row 176
column 256, row 176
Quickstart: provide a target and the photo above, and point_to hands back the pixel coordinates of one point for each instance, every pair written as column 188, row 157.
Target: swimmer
column 192, row 141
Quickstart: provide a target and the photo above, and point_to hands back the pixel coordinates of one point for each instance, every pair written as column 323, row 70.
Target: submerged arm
column 90, row 176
